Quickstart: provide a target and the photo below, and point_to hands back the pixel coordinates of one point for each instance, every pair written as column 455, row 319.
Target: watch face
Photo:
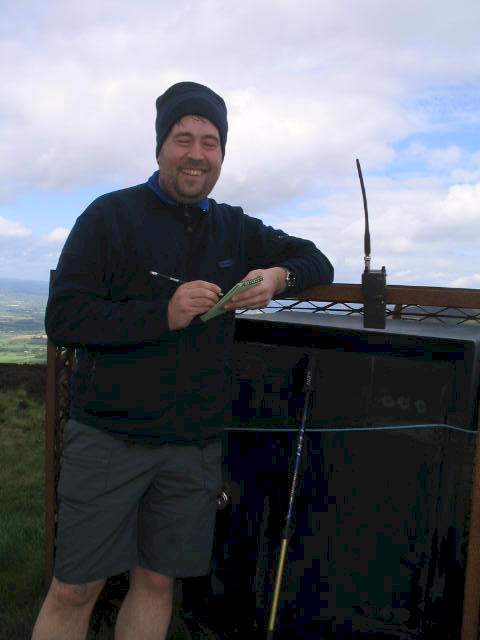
column 290, row 279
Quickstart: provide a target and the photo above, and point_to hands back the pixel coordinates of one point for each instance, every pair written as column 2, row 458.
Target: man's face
column 190, row 160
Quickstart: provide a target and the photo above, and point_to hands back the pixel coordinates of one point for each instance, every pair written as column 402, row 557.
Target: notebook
column 238, row 288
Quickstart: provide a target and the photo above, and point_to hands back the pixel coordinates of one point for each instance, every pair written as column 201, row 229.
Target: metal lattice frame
column 444, row 315
column 447, row 306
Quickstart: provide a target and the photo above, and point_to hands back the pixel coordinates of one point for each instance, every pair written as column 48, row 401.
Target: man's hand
column 189, row 300
column 261, row 295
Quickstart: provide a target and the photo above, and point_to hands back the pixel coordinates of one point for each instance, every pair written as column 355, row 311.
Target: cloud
column 462, row 202
column 335, row 84
column 471, row 281
column 310, row 86
column 12, row 229
column 26, row 258
column 436, row 158
column 422, row 236
column 58, row 235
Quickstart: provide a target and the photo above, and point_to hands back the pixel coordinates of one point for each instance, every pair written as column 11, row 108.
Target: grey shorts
column 122, row 506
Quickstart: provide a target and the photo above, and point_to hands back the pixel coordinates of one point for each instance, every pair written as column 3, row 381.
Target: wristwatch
column 290, row 279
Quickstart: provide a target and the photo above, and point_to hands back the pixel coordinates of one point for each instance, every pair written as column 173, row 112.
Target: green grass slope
column 22, row 420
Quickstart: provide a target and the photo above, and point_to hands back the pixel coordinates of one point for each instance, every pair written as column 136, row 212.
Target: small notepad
column 238, row 288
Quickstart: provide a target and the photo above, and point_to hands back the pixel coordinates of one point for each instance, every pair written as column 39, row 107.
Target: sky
column 310, row 86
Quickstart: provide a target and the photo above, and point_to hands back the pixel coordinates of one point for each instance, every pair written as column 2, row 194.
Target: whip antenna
column 366, row 240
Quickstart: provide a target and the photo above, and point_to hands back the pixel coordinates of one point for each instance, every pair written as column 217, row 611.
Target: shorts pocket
column 212, row 466
column 82, row 480
column 85, row 463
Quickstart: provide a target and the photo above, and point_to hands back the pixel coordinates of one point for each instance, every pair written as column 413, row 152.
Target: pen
column 155, row 274
column 162, row 275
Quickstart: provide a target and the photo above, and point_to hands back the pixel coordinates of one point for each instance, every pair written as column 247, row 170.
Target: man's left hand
column 261, row 295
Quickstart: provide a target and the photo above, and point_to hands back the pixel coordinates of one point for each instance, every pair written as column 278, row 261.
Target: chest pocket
column 227, row 274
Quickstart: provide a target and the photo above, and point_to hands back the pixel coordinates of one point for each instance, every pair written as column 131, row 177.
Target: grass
column 21, row 500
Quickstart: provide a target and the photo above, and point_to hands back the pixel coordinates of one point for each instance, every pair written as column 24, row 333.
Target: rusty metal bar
column 397, row 294
column 50, row 432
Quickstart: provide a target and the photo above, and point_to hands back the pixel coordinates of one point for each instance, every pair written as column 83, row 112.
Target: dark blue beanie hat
column 189, row 98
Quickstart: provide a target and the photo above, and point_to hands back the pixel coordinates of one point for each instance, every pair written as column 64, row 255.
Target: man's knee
column 152, row 581
column 75, row 595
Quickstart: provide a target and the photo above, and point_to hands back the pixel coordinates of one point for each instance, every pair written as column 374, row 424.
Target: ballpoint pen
column 155, row 274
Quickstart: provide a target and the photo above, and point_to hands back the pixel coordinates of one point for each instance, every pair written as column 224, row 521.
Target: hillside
column 22, row 426
column 31, row 378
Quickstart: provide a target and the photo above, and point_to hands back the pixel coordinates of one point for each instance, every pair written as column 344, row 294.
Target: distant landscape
column 22, row 332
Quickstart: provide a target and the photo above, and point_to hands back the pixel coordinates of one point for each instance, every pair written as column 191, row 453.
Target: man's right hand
column 189, row 300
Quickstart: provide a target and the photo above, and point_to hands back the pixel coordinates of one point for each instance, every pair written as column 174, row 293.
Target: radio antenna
column 366, row 241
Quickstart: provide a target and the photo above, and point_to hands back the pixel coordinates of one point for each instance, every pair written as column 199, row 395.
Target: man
column 142, row 457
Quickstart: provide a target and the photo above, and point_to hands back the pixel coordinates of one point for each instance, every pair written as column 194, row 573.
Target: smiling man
column 151, row 389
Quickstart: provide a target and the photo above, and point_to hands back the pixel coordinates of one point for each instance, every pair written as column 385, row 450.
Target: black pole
column 308, row 387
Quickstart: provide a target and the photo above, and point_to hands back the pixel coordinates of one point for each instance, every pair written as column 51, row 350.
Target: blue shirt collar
column 204, row 205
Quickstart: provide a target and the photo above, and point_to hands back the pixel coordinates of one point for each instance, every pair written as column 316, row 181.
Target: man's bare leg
column 147, row 608
column 65, row 614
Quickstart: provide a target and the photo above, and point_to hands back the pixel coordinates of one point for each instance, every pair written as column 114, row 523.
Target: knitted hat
column 189, row 98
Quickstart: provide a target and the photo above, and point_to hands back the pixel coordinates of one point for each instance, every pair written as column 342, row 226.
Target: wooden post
column 50, row 422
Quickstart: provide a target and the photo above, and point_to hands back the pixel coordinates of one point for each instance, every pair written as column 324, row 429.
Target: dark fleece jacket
column 134, row 377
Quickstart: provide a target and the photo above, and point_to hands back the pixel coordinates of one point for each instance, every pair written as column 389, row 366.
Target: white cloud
column 58, row 235
column 462, row 203
column 12, row 229
column 26, row 258
column 469, row 282
column 422, row 236
column 317, row 84
column 437, row 158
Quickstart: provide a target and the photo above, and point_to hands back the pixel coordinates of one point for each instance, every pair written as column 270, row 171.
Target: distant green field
column 22, row 333
column 23, row 349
